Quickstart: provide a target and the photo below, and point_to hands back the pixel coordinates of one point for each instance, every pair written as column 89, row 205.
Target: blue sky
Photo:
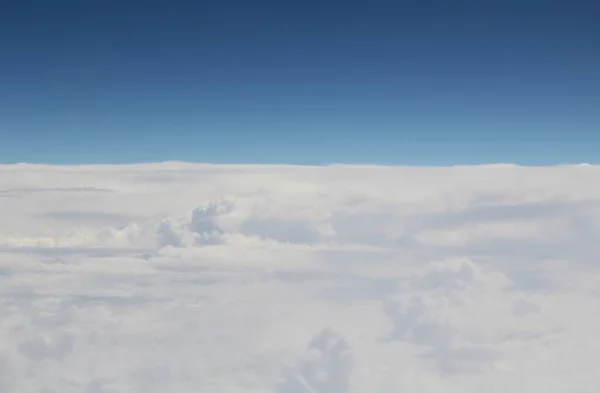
column 303, row 82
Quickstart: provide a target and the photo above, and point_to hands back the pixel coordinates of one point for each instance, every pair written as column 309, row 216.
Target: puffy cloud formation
column 325, row 367
column 342, row 279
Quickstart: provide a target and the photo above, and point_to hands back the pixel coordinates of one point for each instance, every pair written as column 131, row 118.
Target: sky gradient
column 311, row 82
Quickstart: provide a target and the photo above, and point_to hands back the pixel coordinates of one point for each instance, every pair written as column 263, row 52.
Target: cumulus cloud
column 182, row 277
column 452, row 309
column 325, row 367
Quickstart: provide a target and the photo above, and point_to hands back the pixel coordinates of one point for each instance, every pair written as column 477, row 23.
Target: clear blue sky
column 308, row 82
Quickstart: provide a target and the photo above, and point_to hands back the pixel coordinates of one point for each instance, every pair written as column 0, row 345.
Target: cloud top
column 183, row 277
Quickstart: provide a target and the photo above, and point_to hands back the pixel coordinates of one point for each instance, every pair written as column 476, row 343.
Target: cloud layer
column 342, row 279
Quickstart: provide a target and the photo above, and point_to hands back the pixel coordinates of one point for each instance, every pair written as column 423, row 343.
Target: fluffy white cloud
column 342, row 279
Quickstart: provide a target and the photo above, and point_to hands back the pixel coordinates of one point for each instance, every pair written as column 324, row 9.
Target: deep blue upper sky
column 310, row 82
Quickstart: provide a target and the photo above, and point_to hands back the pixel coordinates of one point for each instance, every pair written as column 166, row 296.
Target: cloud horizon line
column 288, row 165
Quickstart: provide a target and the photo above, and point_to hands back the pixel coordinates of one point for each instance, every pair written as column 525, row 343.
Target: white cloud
column 342, row 279
column 325, row 367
